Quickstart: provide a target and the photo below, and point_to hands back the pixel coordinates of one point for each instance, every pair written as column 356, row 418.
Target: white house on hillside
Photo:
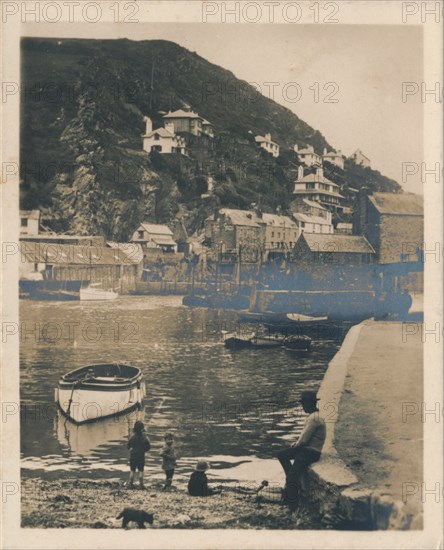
column 29, row 222
column 359, row 158
column 308, row 156
column 154, row 236
column 317, row 188
column 334, row 157
column 162, row 140
column 266, row 143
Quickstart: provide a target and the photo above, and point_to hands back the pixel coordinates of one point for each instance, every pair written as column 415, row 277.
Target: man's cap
column 202, row 465
column 138, row 426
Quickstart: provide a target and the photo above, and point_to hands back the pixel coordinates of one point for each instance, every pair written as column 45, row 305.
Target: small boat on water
column 300, row 342
column 99, row 391
column 272, row 341
column 95, row 292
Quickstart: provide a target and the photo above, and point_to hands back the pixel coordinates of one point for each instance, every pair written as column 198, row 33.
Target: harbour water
column 233, row 408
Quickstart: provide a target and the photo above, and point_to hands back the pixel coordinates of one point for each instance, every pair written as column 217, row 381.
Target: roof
column 206, row 122
column 241, row 217
column 262, row 139
column 163, row 239
column 156, row 229
column 333, row 154
column 313, row 204
column 278, row 221
column 314, row 178
column 30, row 214
column 407, row 204
column 310, row 219
column 68, row 254
column 359, row 152
column 180, row 113
column 162, row 132
column 354, row 244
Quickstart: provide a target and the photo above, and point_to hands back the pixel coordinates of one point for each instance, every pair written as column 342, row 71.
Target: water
column 233, row 408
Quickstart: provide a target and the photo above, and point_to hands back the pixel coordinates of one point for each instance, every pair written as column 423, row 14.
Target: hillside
column 82, row 162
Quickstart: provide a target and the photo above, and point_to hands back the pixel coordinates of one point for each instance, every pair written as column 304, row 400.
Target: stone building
column 393, row 223
column 228, row 229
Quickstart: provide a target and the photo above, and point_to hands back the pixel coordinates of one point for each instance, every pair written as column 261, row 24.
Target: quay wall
column 329, row 486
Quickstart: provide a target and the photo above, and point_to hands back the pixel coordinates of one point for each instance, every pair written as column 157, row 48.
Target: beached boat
column 95, row 292
column 99, row 391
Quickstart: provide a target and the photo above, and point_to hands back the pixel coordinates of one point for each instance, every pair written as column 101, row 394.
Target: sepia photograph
column 221, row 274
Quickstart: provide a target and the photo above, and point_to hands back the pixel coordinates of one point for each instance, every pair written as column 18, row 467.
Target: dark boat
column 297, row 343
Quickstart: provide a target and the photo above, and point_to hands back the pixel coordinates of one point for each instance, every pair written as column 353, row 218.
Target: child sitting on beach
column 138, row 445
column 168, row 460
column 198, row 483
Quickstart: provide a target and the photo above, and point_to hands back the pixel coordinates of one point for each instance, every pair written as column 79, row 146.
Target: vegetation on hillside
column 82, row 162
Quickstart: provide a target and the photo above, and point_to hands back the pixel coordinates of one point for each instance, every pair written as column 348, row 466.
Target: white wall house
column 29, row 222
column 317, row 188
column 162, row 140
column 266, row 143
column 308, row 156
column 359, row 158
column 154, row 236
column 334, row 157
column 313, row 224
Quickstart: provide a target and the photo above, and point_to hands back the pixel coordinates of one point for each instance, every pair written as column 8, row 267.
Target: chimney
column 149, row 124
column 320, row 172
column 295, row 148
column 170, row 127
column 300, row 172
column 325, row 151
column 268, row 137
column 311, row 148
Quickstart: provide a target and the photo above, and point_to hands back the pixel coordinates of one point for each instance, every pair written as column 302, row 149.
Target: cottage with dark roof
column 321, row 249
column 393, row 223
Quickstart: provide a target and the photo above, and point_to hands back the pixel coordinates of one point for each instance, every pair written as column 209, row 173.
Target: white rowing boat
column 99, row 391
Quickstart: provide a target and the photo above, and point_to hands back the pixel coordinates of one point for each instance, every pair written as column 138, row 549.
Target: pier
column 373, row 453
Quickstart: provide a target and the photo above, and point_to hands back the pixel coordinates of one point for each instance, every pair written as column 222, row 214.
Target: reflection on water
column 234, row 408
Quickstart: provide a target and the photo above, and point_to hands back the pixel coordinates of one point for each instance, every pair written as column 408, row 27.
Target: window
column 156, row 137
column 156, row 148
column 140, row 236
column 272, row 234
column 24, row 222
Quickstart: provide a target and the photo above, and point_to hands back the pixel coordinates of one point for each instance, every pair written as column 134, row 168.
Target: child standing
column 168, row 460
column 138, row 445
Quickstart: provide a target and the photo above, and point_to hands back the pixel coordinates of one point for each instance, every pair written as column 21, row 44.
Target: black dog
column 138, row 516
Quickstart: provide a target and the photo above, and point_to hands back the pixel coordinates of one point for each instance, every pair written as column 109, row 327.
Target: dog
column 138, row 516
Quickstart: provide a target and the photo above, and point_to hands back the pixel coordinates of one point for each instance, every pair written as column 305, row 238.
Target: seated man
column 308, row 447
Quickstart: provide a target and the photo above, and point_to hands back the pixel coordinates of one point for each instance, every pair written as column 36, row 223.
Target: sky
column 344, row 80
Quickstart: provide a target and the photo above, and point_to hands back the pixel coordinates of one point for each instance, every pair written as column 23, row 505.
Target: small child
column 198, row 483
column 168, row 460
column 138, row 445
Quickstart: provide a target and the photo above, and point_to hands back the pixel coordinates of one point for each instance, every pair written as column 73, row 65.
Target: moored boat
column 297, row 343
column 94, row 292
column 99, row 391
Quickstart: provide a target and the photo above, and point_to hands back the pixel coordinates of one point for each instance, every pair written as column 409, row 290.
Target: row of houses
column 309, row 157
column 387, row 229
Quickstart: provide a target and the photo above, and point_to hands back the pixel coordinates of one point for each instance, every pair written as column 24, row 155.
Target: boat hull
column 97, row 294
column 99, row 391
